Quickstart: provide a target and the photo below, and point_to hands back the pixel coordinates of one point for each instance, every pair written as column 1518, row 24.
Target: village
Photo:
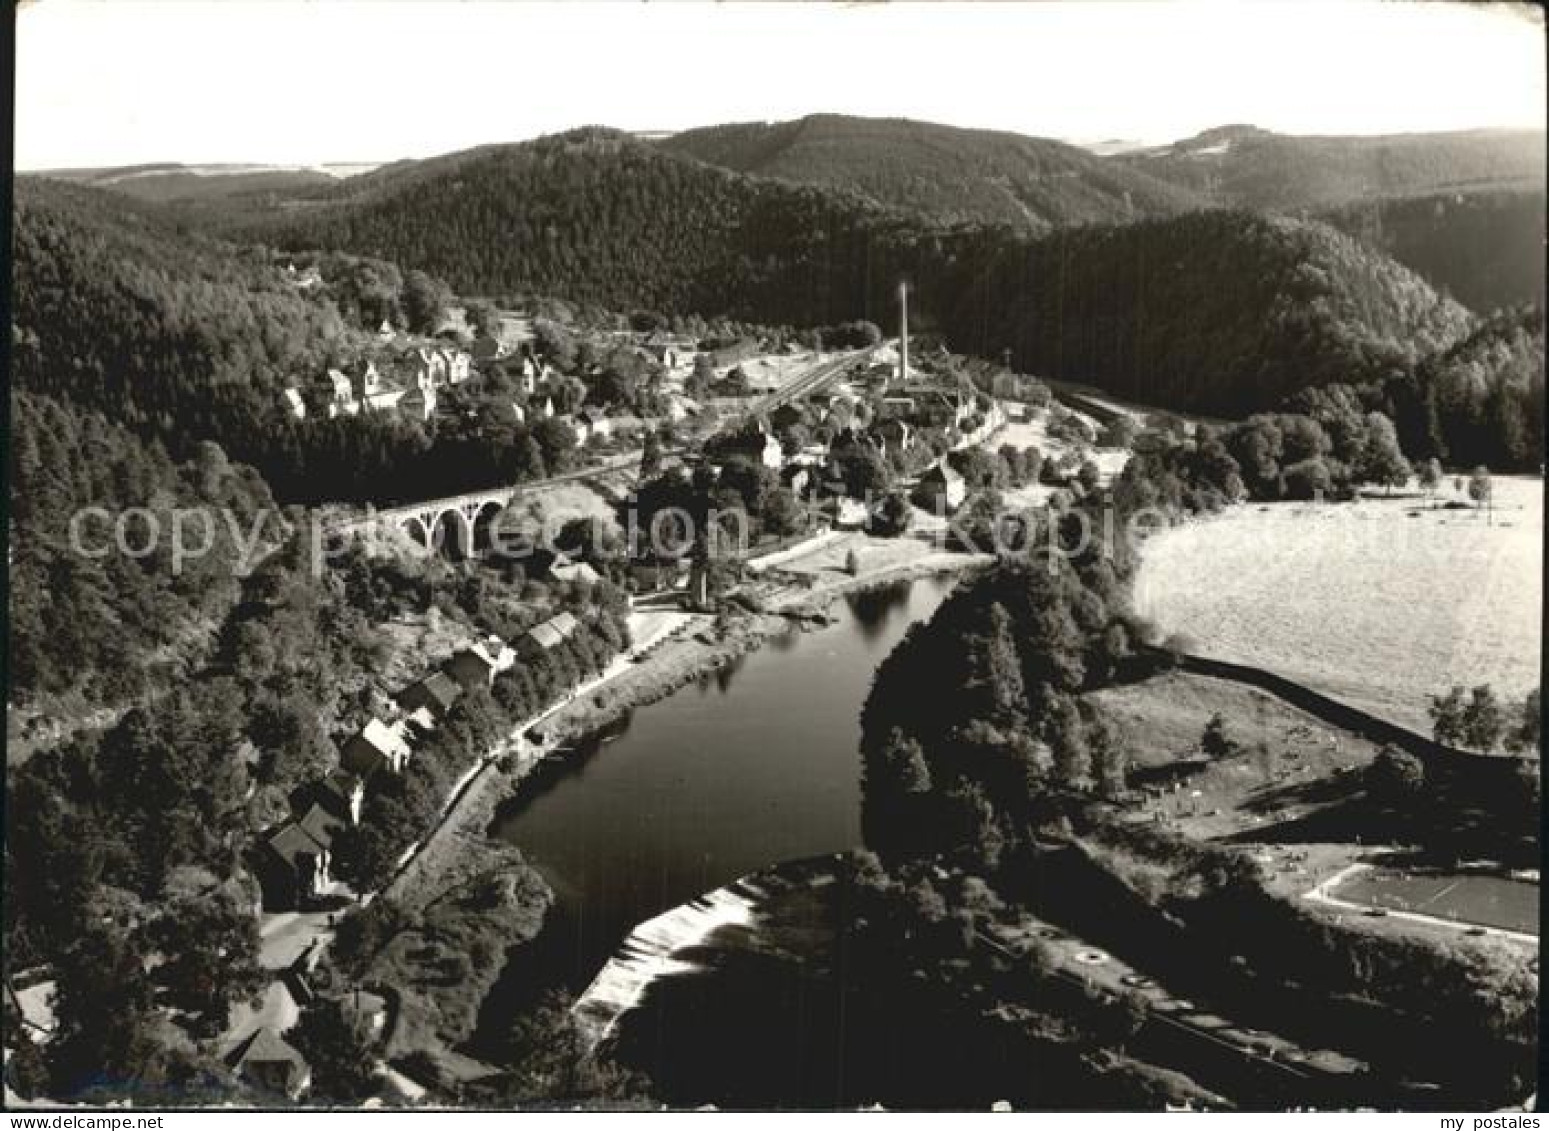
column 836, row 436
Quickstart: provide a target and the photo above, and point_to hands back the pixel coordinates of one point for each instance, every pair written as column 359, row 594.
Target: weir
column 651, row 952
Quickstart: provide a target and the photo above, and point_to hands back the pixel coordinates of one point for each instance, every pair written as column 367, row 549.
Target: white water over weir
column 651, row 952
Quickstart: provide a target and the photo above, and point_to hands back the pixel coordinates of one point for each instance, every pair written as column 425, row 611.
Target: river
column 753, row 765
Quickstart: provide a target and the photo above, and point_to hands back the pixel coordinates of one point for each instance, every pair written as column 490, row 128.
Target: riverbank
column 786, row 944
column 794, row 597
column 671, row 649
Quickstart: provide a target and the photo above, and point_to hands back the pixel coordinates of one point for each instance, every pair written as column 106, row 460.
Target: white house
column 418, row 403
column 341, row 395
column 591, row 423
column 294, row 404
column 771, row 454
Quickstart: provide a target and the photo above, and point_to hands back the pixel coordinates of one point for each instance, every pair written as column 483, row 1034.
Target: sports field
column 1489, row 901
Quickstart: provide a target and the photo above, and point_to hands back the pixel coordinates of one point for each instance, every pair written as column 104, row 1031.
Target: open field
column 874, row 555
column 1033, row 432
column 1381, row 602
column 767, row 372
column 1490, row 901
column 1278, row 779
column 1296, row 801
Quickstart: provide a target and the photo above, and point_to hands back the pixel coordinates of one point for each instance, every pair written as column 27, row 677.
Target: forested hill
column 1221, row 312
column 118, row 308
column 1488, row 392
column 1217, row 311
column 1464, row 209
column 1485, row 249
column 174, row 182
column 596, row 216
column 945, row 172
column 1245, row 167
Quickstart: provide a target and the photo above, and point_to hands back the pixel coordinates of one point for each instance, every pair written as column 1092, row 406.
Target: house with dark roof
column 477, row 666
column 625, row 424
column 770, row 453
column 436, row 693
column 321, row 825
column 487, row 347
column 418, row 403
column 758, row 445
column 665, row 348
column 292, row 869
column 340, row 394
column 941, row 485
column 455, row 363
column 271, row 1064
column 377, row 747
column 895, row 435
column 784, row 416
column 342, row 794
column 553, row 632
column 680, row 407
column 800, row 480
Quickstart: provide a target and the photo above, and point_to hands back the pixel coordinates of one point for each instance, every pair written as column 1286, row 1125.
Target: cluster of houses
column 294, row 866
column 295, row 859
column 409, row 385
column 899, row 421
column 412, row 381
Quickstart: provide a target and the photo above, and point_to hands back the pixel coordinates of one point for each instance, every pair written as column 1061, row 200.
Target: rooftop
column 265, row 1046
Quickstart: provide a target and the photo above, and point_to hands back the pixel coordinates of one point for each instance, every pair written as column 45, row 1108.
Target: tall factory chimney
column 903, row 331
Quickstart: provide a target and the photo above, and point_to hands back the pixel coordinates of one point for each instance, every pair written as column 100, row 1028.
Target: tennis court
column 1489, row 901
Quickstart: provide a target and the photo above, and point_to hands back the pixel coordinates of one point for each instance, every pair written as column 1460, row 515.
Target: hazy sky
column 112, row 83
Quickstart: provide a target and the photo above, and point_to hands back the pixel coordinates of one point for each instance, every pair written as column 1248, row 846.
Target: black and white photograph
column 673, row 557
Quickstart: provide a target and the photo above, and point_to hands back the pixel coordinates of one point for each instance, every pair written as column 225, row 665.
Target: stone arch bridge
column 458, row 526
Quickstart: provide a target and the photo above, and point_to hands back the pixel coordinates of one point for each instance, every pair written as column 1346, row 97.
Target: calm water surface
column 756, row 764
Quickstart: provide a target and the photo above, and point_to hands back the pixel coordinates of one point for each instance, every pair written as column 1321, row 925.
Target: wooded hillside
column 947, row 173
column 1220, row 312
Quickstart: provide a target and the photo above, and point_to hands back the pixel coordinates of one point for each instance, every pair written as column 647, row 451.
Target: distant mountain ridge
column 1243, row 166
column 944, row 171
column 173, row 182
column 1220, row 311
column 126, row 306
column 1463, row 208
column 957, row 174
